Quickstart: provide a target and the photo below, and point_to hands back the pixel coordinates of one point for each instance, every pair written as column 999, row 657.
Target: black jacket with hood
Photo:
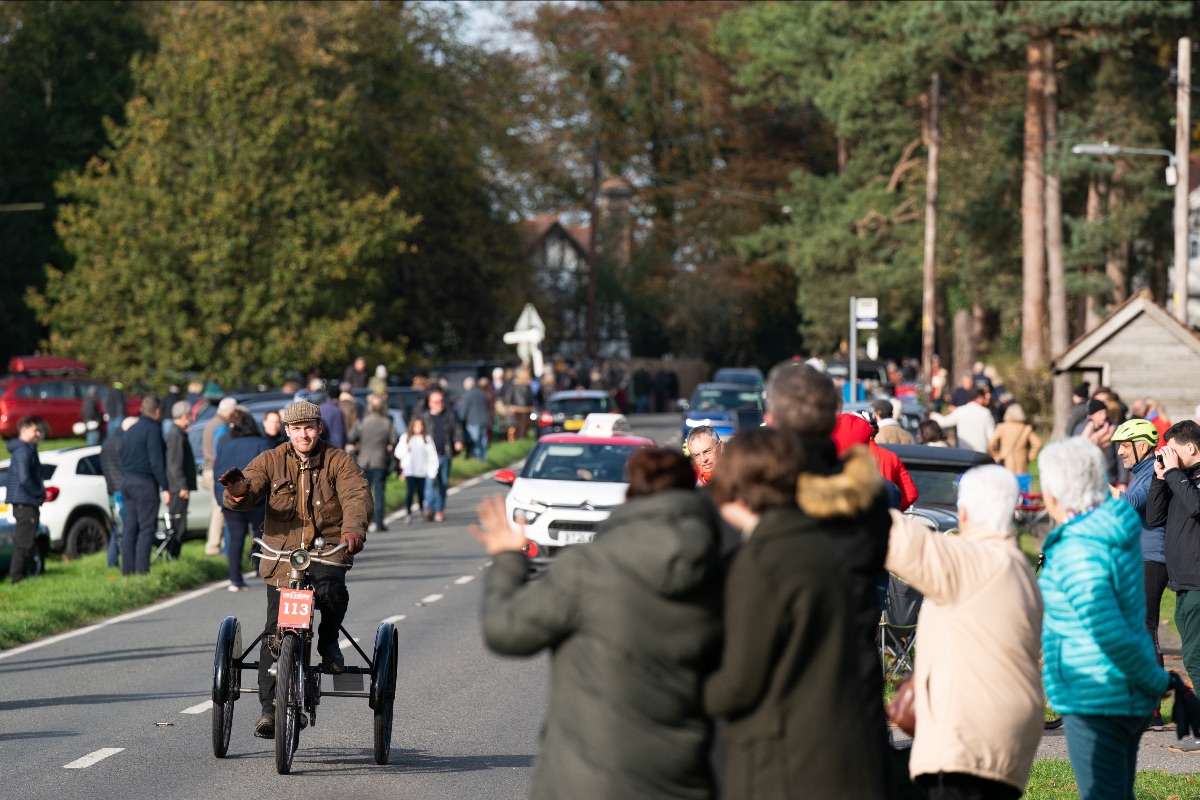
column 1174, row 504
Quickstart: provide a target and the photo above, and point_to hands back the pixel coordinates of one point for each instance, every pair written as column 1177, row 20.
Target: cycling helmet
column 1137, row 430
column 866, row 414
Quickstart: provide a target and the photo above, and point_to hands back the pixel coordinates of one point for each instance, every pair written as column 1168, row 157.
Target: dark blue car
column 727, row 407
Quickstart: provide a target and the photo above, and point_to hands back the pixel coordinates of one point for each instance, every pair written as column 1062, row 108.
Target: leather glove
column 355, row 543
column 235, row 482
column 1187, row 708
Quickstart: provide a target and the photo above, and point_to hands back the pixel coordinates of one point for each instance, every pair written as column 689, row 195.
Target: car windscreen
column 578, row 462
column 725, row 400
column 936, row 486
column 748, row 378
column 576, row 406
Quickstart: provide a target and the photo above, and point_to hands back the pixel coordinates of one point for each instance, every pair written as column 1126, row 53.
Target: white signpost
column 864, row 315
column 527, row 335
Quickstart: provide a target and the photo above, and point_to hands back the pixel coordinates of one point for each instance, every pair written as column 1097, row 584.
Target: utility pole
column 595, row 234
column 929, row 269
column 1183, row 124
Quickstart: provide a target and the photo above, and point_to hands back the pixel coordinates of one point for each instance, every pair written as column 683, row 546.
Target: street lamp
column 1106, row 149
column 1180, row 216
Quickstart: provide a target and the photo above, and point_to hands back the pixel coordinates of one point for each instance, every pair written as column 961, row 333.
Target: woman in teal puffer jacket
column 1098, row 662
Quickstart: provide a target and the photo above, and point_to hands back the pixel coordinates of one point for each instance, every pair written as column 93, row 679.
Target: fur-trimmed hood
column 847, row 493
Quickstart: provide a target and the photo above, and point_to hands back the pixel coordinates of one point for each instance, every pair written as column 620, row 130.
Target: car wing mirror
column 505, row 476
column 682, row 405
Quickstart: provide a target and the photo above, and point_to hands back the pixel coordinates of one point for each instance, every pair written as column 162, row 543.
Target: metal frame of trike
column 230, row 658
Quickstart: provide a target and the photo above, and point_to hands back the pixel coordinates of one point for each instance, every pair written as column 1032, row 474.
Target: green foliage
column 214, row 233
column 64, row 67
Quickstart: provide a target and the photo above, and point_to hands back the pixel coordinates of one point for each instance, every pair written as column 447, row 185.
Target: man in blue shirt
column 1135, row 441
column 26, row 492
column 143, row 476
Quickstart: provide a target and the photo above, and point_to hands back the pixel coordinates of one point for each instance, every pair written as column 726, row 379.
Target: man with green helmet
column 1136, row 440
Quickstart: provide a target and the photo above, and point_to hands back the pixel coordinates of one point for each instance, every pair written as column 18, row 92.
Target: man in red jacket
column 851, row 430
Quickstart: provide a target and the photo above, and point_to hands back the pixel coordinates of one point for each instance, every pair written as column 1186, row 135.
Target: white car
column 76, row 508
column 569, row 484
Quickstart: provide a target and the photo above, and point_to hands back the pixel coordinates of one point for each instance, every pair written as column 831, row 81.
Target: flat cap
column 300, row 411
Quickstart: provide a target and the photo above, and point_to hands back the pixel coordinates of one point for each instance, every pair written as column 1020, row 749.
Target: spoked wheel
column 227, row 679
column 383, row 688
column 287, row 703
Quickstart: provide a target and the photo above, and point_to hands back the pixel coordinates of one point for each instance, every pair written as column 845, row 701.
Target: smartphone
column 231, row 477
column 1158, row 458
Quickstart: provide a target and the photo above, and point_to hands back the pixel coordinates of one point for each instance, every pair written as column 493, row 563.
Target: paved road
column 121, row 709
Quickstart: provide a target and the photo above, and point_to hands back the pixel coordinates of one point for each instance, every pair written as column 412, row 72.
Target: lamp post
column 1180, row 279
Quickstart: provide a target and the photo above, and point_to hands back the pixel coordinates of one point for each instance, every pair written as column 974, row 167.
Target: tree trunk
column 929, row 267
column 1056, row 272
column 1091, row 315
column 1033, row 217
column 964, row 344
column 1116, row 260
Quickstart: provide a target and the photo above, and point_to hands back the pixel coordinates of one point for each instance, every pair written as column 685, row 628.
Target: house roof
column 532, row 231
column 1140, row 303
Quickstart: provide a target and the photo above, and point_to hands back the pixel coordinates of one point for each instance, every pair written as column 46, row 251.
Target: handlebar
column 286, row 555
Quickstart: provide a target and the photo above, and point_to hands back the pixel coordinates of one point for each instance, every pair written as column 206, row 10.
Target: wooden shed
column 1140, row 351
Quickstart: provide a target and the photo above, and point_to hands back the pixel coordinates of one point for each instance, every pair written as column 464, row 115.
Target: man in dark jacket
column 143, row 474
column 441, row 425
column 26, row 493
column 1174, row 503
column 110, row 465
column 181, row 472
column 477, row 417
column 376, row 438
column 847, row 502
column 114, row 405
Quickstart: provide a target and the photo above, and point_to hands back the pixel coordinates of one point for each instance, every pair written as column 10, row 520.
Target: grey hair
column 1073, row 471
column 989, row 495
column 705, row 430
column 181, row 408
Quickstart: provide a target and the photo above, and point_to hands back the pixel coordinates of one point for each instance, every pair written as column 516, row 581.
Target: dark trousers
column 141, row 509
column 24, row 538
column 1155, row 574
column 329, row 589
column 1187, row 620
column 178, row 513
column 377, row 480
column 416, row 487
column 238, row 526
column 957, row 786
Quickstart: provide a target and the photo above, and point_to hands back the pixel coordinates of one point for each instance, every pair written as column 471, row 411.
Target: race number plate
column 295, row 608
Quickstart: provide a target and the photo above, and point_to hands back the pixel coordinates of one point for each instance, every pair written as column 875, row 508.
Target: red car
column 51, row 388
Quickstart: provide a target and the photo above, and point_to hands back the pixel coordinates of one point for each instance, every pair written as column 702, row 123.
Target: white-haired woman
column 978, row 694
column 1099, row 666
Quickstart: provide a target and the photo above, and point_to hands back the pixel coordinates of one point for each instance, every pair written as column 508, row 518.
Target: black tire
column 383, row 689
column 35, row 564
column 87, row 534
column 287, row 703
column 226, row 683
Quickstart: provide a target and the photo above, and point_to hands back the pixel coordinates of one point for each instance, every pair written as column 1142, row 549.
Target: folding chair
column 898, row 628
column 164, row 543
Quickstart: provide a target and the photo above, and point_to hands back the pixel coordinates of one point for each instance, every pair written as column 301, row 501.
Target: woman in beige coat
column 978, row 688
column 1014, row 444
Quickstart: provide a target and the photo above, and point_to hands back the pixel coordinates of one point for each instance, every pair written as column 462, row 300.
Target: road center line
column 200, row 709
column 92, row 758
column 464, row 579
column 433, row 598
column 396, row 618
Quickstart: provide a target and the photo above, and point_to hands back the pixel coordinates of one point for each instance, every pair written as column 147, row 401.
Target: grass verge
column 75, row 593
column 1052, row 779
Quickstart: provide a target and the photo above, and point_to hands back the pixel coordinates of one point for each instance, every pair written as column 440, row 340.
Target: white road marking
column 200, row 709
column 464, row 579
column 92, row 758
column 344, row 644
column 433, row 598
column 396, row 618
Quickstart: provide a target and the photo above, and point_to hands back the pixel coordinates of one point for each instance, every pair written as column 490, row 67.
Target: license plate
column 573, row 425
column 575, row 537
column 295, row 608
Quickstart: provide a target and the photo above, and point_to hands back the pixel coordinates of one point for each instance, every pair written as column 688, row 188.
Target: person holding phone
column 312, row 489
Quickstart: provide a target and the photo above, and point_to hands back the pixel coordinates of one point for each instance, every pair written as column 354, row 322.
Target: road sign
column 866, row 313
column 527, row 335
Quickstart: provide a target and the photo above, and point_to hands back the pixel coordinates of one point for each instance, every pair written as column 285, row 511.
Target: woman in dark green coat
column 786, row 680
column 633, row 621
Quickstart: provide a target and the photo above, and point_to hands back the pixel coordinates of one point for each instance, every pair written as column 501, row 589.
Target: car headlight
column 525, row 516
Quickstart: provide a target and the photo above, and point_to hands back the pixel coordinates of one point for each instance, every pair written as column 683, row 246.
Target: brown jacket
column 1014, row 445
column 337, row 495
